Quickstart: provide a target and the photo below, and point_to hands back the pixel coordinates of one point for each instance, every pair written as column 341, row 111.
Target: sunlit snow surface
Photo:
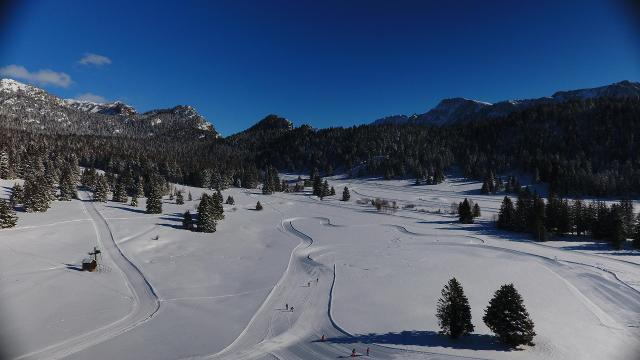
column 223, row 295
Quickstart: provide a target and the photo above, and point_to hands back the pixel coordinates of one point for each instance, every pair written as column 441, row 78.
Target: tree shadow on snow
column 130, row 209
column 73, row 267
column 425, row 338
column 175, row 217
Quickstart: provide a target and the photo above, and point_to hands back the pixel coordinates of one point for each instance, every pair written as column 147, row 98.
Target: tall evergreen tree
column 134, row 200
column 230, row 200
column 345, row 194
column 101, row 189
column 36, row 195
column 636, row 233
column 453, row 311
column 179, row 198
column 465, row 215
column 4, row 166
column 507, row 215
column 206, row 216
column 258, row 206
column 507, row 317
column 154, row 199
column 476, row 210
column 17, row 195
column 67, row 186
column 8, row 218
column 324, row 190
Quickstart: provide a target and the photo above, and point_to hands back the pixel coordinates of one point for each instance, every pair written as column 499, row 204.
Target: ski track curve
column 145, row 300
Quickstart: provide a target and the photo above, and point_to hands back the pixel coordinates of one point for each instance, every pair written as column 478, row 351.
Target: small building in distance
column 89, row 264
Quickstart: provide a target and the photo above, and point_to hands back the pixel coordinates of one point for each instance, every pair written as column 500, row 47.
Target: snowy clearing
column 359, row 277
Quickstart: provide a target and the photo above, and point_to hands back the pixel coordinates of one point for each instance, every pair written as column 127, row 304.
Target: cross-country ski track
column 144, row 299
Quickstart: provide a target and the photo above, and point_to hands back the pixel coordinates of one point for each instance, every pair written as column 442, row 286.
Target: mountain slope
column 455, row 110
column 29, row 108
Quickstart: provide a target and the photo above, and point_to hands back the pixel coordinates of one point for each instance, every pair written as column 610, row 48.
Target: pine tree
column 538, row 220
column 187, row 221
column 206, row 218
column 189, row 197
column 453, row 311
column 507, row 215
column 636, row 233
column 134, row 200
column 230, row 200
column 324, row 190
column 154, row 199
column 140, row 187
column 217, row 210
column 617, row 234
column 179, row 198
column 464, row 212
column 333, row 191
column 17, row 195
column 8, row 218
column 67, row 186
column 476, row 211
column 345, row 194
column 507, row 317
column 4, row 166
column 317, row 186
column 36, row 195
column 258, row 206
column 101, row 188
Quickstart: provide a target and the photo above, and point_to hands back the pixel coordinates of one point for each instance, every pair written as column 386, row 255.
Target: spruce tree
column 17, row 195
column 206, row 218
column 453, row 311
column 324, row 190
column 636, row 233
column 134, row 200
column 67, row 186
column 258, row 206
column 476, row 211
column 507, row 317
column 230, row 200
column 187, row 221
column 189, row 197
column 8, row 218
column 4, row 166
column 36, row 195
column 317, row 186
column 154, row 199
column 179, row 198
column 506, row 216
column 465, row 215
column 345, row 194
column 333, row 191
column 217, row 210
column 101, row 189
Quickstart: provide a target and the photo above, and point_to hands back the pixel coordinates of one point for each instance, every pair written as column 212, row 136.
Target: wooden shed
column 89, row 264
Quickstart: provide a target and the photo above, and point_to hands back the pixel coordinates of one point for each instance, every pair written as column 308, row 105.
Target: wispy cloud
column 91, row 97
column 41, row 77
column 94, row 59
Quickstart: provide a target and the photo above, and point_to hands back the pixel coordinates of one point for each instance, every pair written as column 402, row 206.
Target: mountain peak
column 10, row 85
column 272, row 122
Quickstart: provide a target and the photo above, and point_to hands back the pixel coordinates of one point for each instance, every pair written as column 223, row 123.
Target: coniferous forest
column 580, row 148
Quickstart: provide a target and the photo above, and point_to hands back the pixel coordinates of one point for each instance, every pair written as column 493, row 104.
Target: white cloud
column 42, row 77
column 91, row 98
column 94, row 59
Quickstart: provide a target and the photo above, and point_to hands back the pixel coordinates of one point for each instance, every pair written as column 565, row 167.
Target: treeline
column 531, row 213
column 579, row 148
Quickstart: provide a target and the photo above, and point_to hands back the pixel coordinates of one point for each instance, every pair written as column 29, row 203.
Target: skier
column 353, row 353
column 286, row 306
column 309, row 284
column 317, row 280
column 367, row 351
column 322, row 338
column 292, row 309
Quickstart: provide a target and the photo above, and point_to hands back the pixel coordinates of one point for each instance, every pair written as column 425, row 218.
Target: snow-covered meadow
column 359, row 277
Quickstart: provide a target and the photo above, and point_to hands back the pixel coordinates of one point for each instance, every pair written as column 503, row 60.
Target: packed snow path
column 144, row 300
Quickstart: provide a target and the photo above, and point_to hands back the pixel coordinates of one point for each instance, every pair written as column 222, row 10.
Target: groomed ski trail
column 145, row 301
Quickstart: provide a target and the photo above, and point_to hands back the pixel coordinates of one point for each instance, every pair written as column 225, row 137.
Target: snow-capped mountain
column 451, row 111
column 30, row 108
column 112, row 108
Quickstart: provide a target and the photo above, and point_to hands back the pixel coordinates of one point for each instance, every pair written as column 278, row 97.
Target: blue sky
column 325, row 63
